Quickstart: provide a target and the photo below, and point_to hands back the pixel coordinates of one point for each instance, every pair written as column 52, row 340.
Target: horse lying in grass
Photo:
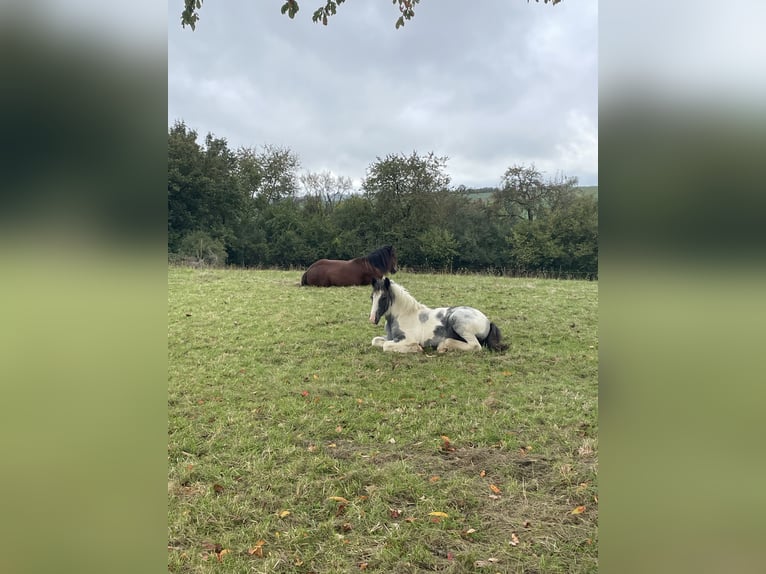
column 359, row 271
column 410, row 325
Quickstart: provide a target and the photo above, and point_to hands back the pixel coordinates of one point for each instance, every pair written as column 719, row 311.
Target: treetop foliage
column 190, row 14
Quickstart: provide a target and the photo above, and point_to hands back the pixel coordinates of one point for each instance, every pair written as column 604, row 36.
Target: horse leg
column 378, row 341
column 404, row 346
column 471, row 344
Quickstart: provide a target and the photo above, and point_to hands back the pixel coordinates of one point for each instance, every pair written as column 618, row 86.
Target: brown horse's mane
column 380, row 258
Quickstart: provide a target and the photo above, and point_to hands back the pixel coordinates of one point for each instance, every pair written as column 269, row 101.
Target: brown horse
column 359, row 271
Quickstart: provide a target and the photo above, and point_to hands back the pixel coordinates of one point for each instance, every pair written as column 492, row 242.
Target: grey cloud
column 497, row 84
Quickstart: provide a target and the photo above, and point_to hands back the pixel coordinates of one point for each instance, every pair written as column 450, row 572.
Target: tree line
column 251, row 207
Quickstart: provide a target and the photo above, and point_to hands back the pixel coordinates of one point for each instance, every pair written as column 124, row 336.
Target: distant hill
column 589, row 190
column 486, row 192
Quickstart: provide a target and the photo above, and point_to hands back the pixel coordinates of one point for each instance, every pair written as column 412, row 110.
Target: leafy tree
column 356, row 229
column 278, row 174
column 438, row 247
column 190, row 14
column 524, row 195
column 203, row 190
column 404, row 193
column 185, row 188
column 566, row 241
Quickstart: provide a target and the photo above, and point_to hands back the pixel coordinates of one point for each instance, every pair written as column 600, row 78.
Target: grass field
column 296, row 446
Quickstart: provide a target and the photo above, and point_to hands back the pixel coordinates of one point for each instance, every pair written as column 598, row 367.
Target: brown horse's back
column 337, row 273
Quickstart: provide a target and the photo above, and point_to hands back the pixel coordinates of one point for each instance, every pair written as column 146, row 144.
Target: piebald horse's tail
column 494, row 339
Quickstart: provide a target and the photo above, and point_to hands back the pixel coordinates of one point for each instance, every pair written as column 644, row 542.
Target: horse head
column 381, row 299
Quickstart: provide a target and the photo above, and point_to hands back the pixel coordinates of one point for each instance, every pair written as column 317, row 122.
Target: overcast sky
column 489, row 84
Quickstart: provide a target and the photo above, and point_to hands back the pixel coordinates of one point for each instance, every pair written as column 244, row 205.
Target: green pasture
column 296, row 446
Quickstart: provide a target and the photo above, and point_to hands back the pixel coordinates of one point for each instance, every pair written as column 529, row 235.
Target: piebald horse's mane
column 402, row 299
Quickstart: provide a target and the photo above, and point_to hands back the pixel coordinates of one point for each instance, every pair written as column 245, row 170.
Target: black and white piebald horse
column 411, row 326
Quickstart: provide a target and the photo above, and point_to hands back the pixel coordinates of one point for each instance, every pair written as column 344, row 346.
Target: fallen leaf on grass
column 338, row 499
column 410, row 519
column 304, row 393
column 514, row 539
column 578, row 510
column 494, row 489
column 446, row 444
column 284, row 513
column 439, row 514
column 221, row 554
column 257, row 550
column 217, row 488
column 433, row 479
column 341, row 510
column 468, row 532
column 485, row 563
column 363, row 566
column 216, row 548
column 394, row 512
column 483, row 473
column 527, row 524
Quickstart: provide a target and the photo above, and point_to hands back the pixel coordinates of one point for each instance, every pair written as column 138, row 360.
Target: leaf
column 526, row 524
column 221, row 554
column 483, row 473
column 304, row 393
column 494, row 489
column 338, row 499
column 447, row 445
column 217, row 488
column 466, row 533
column 394, row 512
column 514, row 539
column 433, row 479
column 578, row 510
column 439, row 514
column 257, row 550
column 284, row 513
